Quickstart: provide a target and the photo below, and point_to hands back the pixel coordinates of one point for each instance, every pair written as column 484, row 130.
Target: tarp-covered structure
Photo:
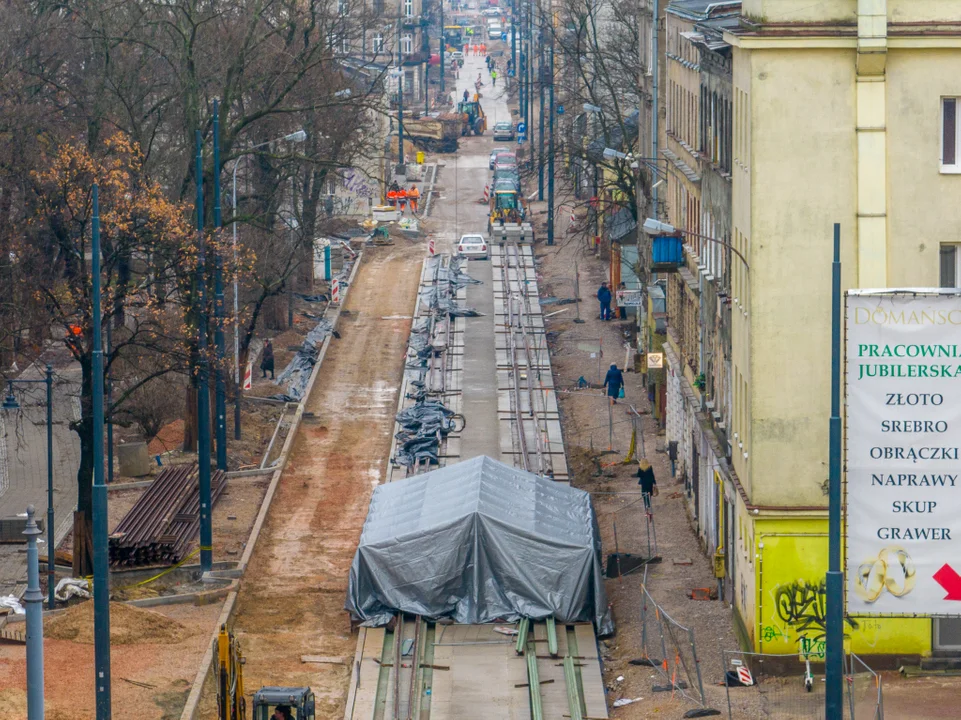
column 477, row 542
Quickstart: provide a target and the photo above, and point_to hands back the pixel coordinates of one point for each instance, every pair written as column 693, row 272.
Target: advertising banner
column 903, row 431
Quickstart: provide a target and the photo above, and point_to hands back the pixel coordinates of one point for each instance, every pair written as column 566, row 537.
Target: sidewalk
column 23, row 458
column 587, row 428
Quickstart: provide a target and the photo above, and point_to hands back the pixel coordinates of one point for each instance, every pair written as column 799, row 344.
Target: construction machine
column 231, row 701
column 435, row 134
column 298, row 700
column 473, row 115
column 508, row 213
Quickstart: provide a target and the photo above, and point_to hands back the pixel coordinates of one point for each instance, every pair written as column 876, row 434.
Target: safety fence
column 669, row 648
column 789, row 687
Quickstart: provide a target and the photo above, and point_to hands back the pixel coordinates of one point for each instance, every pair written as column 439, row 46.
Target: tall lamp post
column 203, row 394
column 10, row 403
column 296, row 137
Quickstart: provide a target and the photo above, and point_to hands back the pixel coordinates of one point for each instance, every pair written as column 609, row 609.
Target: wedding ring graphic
column 892, row 570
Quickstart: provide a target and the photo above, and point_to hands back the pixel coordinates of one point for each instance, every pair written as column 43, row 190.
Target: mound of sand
column 129, row 625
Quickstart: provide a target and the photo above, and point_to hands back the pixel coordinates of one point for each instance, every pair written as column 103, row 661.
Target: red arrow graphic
column 947, row 578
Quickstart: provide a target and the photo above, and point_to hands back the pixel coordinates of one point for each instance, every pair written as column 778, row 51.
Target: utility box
column 134, row 459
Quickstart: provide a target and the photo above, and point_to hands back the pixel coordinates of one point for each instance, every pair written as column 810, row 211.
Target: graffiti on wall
column 802, row 607
column 358, row 184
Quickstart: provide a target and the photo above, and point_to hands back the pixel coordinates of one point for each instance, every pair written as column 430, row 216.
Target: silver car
column 494, row 153
column 472, row 247
column 504, row 130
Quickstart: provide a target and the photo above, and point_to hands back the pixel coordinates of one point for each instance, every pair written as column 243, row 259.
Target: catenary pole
column 834, row 655
column 550, row 140
column 203, row 390
column 101, row 577
column 220, row 392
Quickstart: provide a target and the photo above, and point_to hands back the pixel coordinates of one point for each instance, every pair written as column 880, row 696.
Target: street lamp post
column 296, row 137
column 10, row 403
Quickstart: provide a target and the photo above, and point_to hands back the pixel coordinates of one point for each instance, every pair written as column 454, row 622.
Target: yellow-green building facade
column 844, row 111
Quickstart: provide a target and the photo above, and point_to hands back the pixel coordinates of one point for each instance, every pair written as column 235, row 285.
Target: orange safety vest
column 413, row 193
column 402, row 194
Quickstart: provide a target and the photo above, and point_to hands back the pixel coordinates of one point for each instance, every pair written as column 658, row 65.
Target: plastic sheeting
column 298, row 370
column 479, row 542
column 423, row 425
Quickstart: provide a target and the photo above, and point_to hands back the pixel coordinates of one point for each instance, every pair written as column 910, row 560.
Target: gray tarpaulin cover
column 479, row 541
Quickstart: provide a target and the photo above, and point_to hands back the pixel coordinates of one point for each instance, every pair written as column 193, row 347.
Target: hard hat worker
column 413, row 194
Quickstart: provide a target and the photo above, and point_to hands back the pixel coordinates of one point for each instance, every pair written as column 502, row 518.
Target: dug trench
column 292, row 596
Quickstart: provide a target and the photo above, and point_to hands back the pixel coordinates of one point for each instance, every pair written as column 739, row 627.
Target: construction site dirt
column 292, row 596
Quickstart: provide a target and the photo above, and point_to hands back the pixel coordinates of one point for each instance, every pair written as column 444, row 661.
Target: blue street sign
column 521, row 128
column 560, row 109
column 504, row 37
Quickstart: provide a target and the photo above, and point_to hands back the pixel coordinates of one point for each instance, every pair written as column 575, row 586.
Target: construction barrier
column 431, row 250
column 487, row 194
column 335, row 291
column 789, row 686
column 248, row 375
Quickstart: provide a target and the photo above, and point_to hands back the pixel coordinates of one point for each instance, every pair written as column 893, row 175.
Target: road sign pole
column 834, row 656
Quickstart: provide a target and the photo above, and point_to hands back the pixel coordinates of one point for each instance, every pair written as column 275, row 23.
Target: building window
column 407, row 44
column 949, row 135
column 377, row 44
column 342, row 7
column 345, row 46
column 950, row 272
column 409, row 8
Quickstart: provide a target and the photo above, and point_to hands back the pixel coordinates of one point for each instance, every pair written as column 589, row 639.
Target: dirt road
column 292, row 599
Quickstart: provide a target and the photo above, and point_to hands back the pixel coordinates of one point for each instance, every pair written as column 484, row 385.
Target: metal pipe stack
column 164, row 523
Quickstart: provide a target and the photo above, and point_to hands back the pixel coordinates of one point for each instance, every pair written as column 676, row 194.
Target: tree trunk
column 83, row 517
column 190, row 420
column 275, row 313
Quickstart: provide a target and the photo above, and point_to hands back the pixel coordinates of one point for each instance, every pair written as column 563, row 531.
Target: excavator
column 474, row 119
column 231, row 701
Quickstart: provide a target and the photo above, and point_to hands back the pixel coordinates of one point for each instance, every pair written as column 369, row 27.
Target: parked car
column 506, row 174
column 506, row 158
column 491, row 12
column 456, row 56
column 504, row 130
column 494, row 31
column 494, row 153
column 472, row 247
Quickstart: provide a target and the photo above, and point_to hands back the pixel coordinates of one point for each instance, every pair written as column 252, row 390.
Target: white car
column 491, row 12
column 472, row 247
column 494, row 31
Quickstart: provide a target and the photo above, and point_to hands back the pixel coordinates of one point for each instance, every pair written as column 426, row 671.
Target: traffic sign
column 744, row 675
column 521, row 128
column 560, row 109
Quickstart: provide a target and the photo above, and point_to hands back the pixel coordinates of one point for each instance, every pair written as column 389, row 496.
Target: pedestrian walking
column 493, row 78
column 604, row 298
column 466, row 96
column 647, row 481
column 402, row 199
column 621, row 307
column 267, row 360
column 413, row 195
column 614, row 382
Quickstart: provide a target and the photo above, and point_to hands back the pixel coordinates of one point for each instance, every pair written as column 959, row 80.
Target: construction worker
column 402, row 199
column 493, row 78
column 392, row 194
column 483, row 49
column 413, row 194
